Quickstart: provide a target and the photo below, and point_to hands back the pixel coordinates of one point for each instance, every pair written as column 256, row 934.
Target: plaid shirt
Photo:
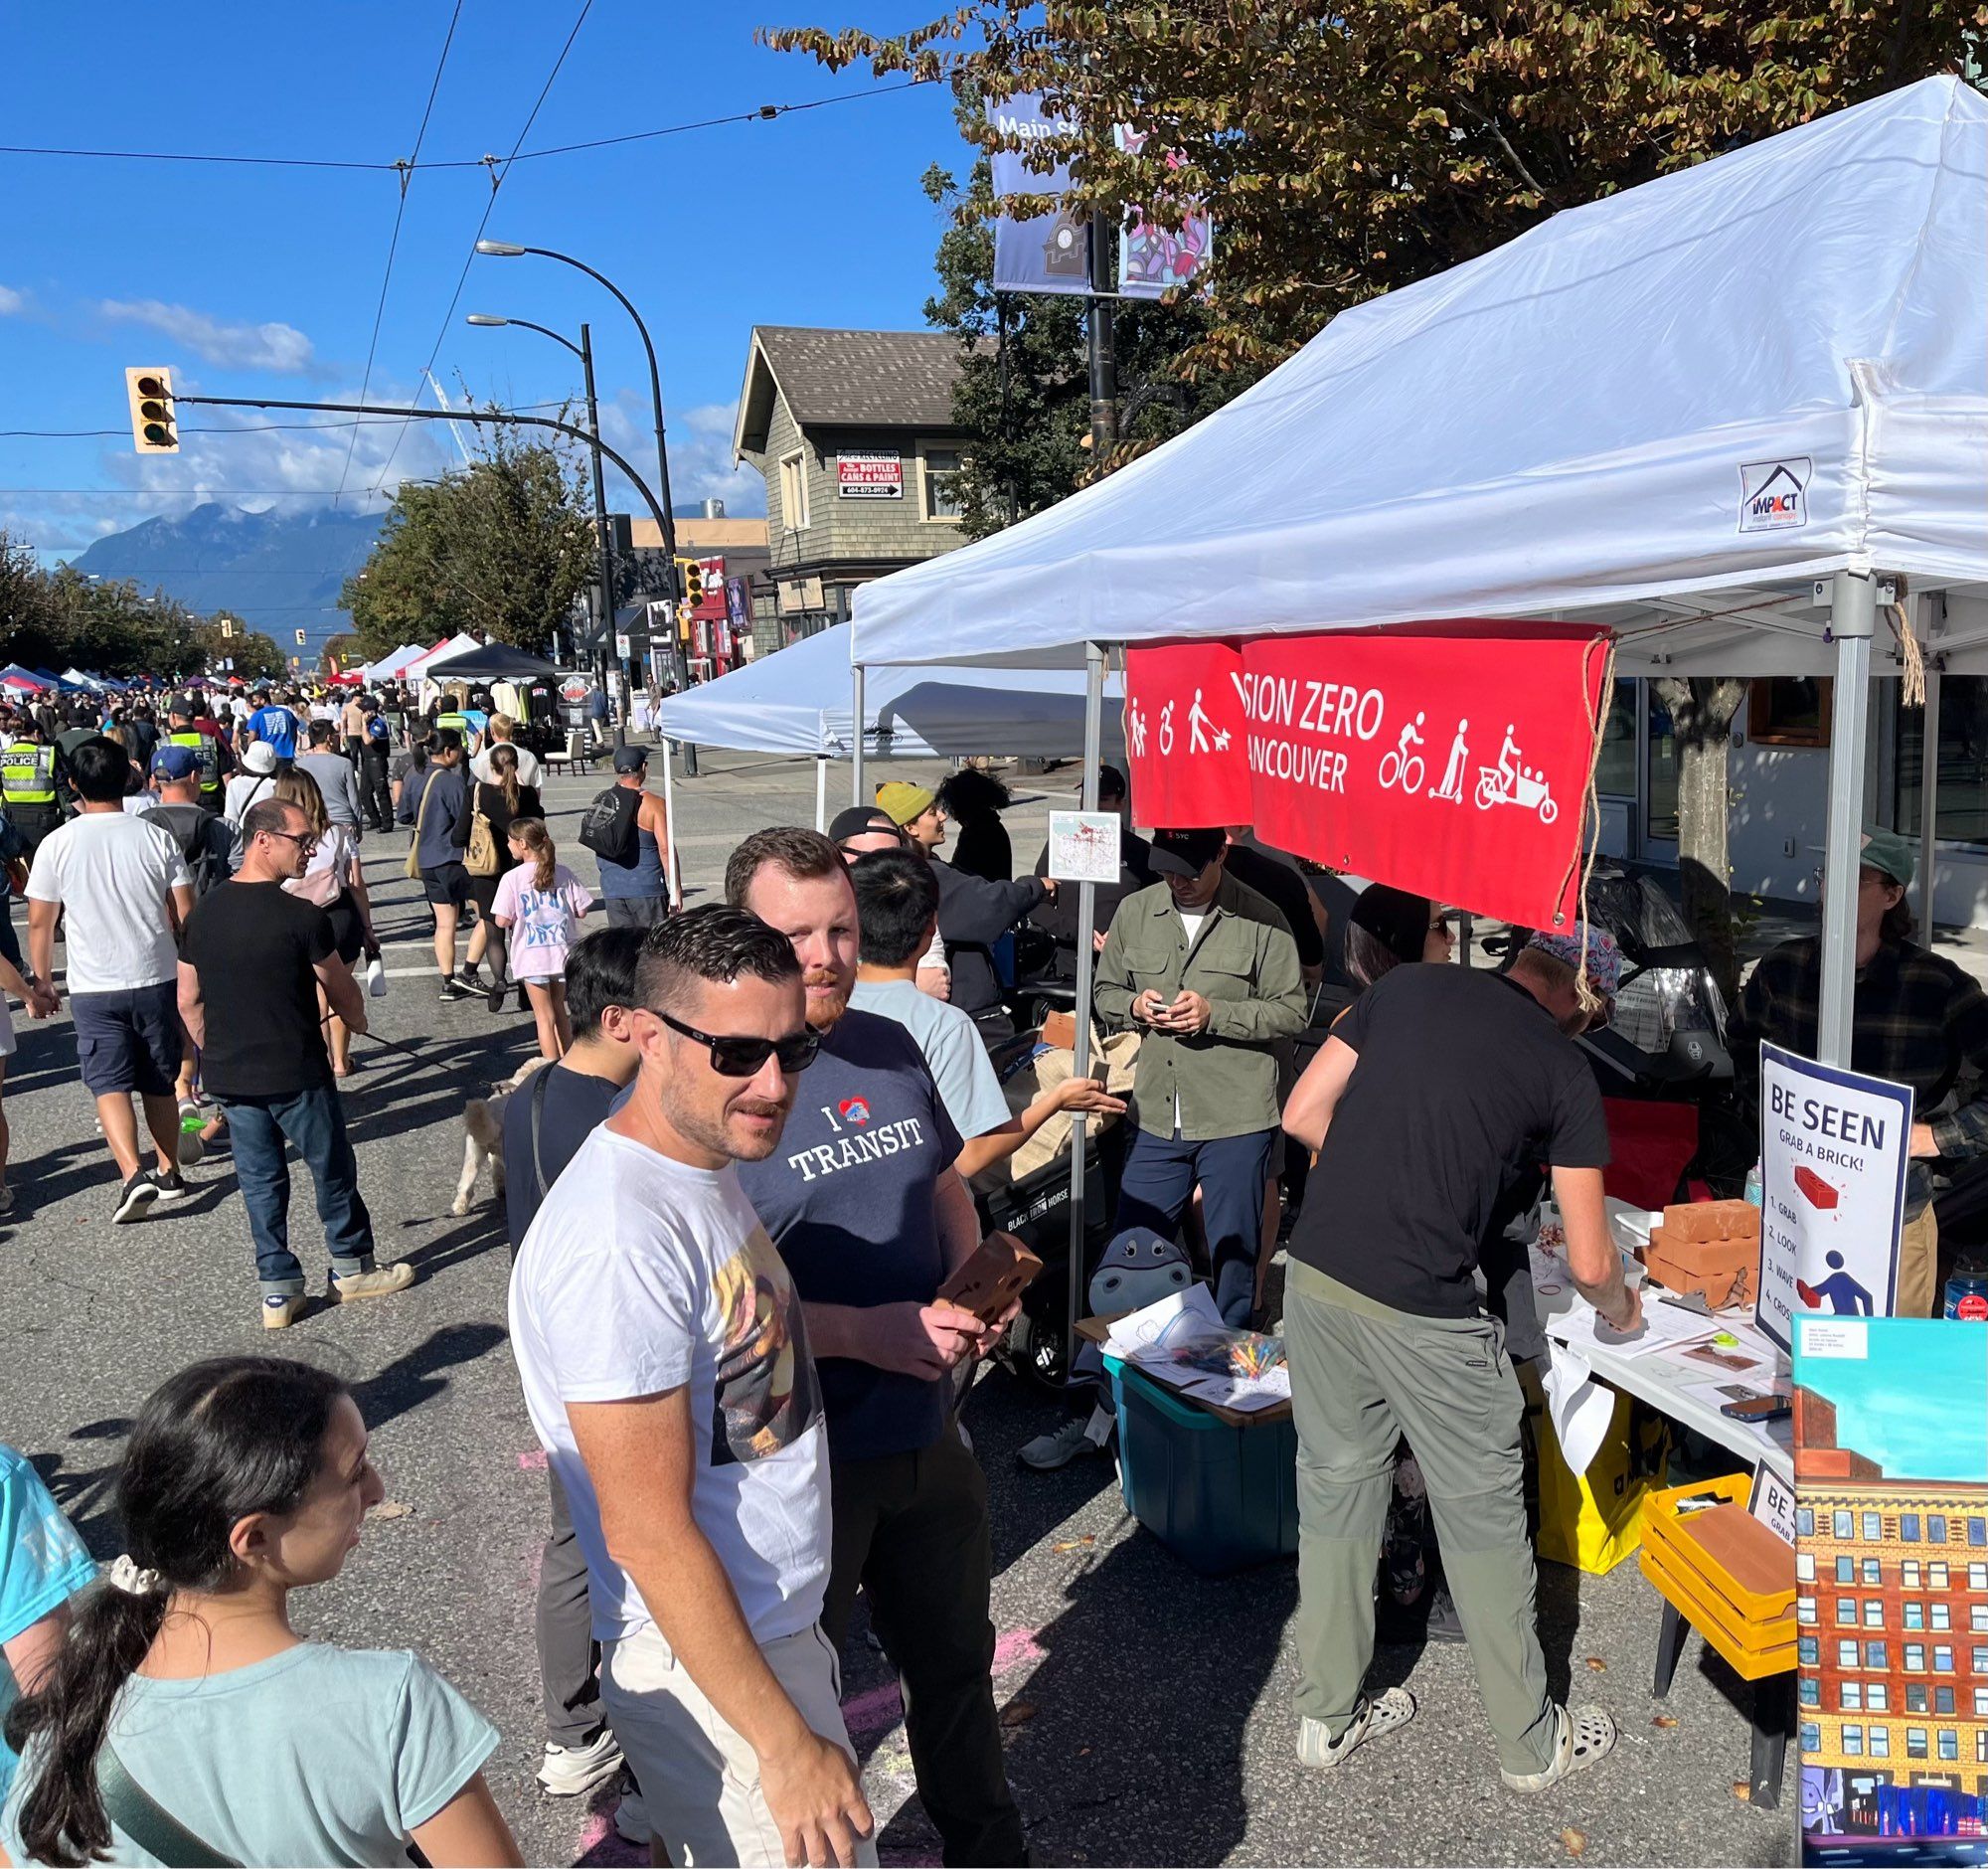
column 1918, row 1020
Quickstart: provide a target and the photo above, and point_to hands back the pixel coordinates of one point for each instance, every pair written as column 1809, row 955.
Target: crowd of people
column 733, row 1193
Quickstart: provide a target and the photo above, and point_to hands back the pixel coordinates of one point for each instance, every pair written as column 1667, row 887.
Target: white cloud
column 11, row 301
column 701, row 466
column 279, row 347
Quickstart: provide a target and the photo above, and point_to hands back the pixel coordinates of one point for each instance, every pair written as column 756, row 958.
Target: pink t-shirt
column 541, row 921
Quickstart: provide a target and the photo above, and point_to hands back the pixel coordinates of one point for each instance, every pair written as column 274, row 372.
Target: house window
column 1949, row 1743
column 1874, row 1528
column 1942, row 1700
column 1853, row 1741
column 1915, row 1657
column 1872, row 1573
column 1910, row 1572
column 1789, row 711
column 1805, row 1610
column 1808, row 1690
column 1935, row 1529
column 1844, row 1524
column 1977, row 1574
column 1941, row 1612
column 1936, row 1575
column 1876, row 1696
column 794, row 492
column 1942, row 1660
column 1977, row 1531
column 1915, row 1615
column 1915, row 1742
column 1909, row 1526
column 1846, row 1570
column 1875, row 1654
column 1812, row 1737
column 1853, row 1696
column 941, row 477
column 1874, row 1612
column 1963, row 797
column 1845, row 1654
column 1846, row 1612
column 1808, row 1651
column 1981, row 1747
column 1977, row 1617
column 1916, row 1697
column 1981, row 1661
column 1880, row 1742
column 1981, row 1703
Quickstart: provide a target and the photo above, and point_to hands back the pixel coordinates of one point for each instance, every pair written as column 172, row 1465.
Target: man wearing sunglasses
column 665, row 1362
column 252, row 962
column 865, row 1206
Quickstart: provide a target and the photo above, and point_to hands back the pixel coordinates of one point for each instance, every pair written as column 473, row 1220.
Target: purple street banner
column 1152, row 258
column 1046, row 252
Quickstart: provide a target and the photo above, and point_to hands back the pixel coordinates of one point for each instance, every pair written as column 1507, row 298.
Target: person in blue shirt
column 246, row 1480
column 1847, row 1298
column 273, row 722
column 42, row 1565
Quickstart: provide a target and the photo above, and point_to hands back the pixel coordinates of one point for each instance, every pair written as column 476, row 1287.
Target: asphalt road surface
column 1147, row 1708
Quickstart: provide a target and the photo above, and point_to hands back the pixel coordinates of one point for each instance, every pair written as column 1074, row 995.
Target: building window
column 1915, row 1657
column 1981, row 1661
column 1916, row 1697
column 1791, row 711
column 1963, row 798
column 1909, row 1574
column 794, row 492
column 1843, row 1524
column 1942, row 1660
column 941, row 476
column 1981, row 1703
column 1915, row 1742
column 1977, row 1574
column 1936, row 1575
column 1805, row 1610
column 1941, row 1612
column 1812, row 1737
column 1949, row 1743
column 1981, row 1747
column 1876, row 1697
column 1808, row 1690
column 1909, row 1526
column 1804, row 1514
column 1874, row 1528
column 1880, row 1742
column 1977, row 1617
column 1871, row 1573
column 1808, row 1651
column 1845, row 1654
column 1977, row 1531
column 1935, row 1529
column 1915, row 1615
column 1846, row 1570
column 1804, row 1567
column 1853, row 1741
column 1853, row 1696
column 1846, row 1612
column 1942, row 1700
column 1874, row 1612
column 1875, row 1654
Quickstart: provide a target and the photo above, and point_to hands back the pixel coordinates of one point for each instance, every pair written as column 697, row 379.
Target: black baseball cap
column 860, row 820
column 631, row 758
column 1186, row 853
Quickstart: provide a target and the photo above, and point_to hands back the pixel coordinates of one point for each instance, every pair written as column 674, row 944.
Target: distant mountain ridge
column 279, row 571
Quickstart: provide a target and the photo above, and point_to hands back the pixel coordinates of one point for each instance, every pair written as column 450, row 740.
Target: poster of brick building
column 1891, row 1580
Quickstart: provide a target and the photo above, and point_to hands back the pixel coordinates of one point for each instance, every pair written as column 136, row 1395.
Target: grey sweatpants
column 1362, row 1376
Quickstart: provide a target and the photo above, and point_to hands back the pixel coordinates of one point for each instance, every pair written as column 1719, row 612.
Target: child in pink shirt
column 541, row 903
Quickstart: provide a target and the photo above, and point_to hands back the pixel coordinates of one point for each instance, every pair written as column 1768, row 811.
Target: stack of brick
column 1711, row 1248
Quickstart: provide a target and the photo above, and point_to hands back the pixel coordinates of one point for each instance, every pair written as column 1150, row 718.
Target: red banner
column 1183, row 733
column 1452, row 761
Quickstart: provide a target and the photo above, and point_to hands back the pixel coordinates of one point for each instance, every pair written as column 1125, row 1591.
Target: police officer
column 33, row 778
column 213, row 757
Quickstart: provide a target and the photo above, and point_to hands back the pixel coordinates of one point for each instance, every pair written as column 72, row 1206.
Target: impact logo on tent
column 1774, row 493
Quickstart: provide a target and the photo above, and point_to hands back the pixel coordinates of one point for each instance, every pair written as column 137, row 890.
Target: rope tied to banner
column 1588, row 838
column 1912, row 658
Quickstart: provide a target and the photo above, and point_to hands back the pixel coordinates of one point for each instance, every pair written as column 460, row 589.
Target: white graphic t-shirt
column 641, row 1275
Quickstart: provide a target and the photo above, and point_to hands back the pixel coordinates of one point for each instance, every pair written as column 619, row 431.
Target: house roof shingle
column 880, row 379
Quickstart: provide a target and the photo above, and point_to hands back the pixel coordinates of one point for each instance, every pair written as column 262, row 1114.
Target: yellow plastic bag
column 1594, row 1520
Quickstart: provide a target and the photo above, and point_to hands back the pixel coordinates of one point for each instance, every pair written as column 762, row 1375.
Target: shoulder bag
column 481, row 857
column 413, row 868
column 148, row 1823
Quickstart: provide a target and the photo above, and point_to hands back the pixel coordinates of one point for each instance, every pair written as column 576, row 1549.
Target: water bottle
column 1968, row 1290
column 1752, row 1185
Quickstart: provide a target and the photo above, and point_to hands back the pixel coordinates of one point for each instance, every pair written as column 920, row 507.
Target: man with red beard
column 864, row 1202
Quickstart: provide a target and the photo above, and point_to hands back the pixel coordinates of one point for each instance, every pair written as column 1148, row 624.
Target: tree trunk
column 1702, row 711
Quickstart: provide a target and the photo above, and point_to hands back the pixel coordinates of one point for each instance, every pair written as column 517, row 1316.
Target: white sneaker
column 1077, row 1435
column 570, row 1771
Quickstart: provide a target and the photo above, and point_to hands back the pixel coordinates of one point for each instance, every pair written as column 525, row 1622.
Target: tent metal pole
column 821, row 792
column 1852, row 615
column 670, row 876
column 1929, row 797
column 1087, row 916
column 858, row 736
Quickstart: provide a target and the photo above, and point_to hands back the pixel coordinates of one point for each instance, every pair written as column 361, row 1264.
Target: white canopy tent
column 432, row 663
column 389, row 666
column 1720, row 414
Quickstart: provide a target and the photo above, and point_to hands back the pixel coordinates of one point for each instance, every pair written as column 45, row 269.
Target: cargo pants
column 1361, row 1375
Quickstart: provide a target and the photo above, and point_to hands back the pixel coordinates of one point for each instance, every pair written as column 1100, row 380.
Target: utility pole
column 604, row 638
column 1104, row 343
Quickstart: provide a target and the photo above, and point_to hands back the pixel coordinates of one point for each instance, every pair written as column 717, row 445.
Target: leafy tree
column 253, row 655
column 502, row 547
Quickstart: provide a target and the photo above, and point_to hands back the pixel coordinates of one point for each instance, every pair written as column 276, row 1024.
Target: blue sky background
column 1917, row 1404
column 252, row 281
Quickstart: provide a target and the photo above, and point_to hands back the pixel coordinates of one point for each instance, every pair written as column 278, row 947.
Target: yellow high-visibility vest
column 28, row 774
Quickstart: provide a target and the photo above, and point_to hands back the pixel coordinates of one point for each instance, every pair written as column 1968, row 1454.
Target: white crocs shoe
column 1586, row 1737
column 1382, row 1714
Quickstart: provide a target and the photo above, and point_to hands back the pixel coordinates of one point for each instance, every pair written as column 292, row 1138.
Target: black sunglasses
column 735, row 1057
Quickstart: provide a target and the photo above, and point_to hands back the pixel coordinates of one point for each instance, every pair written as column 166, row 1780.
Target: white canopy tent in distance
column 1738, row 416
column 794, row 704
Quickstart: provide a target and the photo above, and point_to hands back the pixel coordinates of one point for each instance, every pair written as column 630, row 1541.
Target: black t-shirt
column 847, row 1197
column 576, row 1105
column 1463, row 1081
column 1288, row 892
column 254, row 945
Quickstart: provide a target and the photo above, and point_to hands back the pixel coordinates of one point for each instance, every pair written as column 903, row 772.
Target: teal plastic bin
column 1222, row 1497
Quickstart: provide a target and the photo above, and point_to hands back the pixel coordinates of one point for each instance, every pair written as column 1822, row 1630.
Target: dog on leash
column 483, row 1134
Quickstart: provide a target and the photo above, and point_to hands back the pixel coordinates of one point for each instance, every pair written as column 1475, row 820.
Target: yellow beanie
column 903, row 801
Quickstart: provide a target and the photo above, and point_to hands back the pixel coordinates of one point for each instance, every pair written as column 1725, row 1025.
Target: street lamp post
column 508, row 250
column 584, row 350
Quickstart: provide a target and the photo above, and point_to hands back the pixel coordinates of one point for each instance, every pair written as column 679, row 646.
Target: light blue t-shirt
column 318, row 1755
column 42, row 1563
column 953, row 1050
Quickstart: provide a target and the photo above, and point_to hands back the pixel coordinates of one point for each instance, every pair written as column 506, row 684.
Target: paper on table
column 1579, row 1407
column 1706, row 1357
column 1141, row 1330
column 1244, row 1394
column 1662, row 1325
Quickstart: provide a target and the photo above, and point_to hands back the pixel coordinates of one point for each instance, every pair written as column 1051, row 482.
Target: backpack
column 608, row 828
column 206, row 852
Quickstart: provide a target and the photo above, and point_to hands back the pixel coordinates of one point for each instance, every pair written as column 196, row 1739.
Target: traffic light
column 691, row 573
column 301, row 640
column 154, row 424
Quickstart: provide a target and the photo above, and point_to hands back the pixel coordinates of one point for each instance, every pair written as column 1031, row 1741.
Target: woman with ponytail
column 183, row 1720
column 540, row 904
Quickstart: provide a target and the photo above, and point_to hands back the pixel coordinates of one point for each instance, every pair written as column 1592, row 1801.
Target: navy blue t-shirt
column 847, row 1197
column 576, row 1105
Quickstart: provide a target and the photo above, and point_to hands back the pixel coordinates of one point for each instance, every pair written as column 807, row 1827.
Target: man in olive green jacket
column 1208, row 971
